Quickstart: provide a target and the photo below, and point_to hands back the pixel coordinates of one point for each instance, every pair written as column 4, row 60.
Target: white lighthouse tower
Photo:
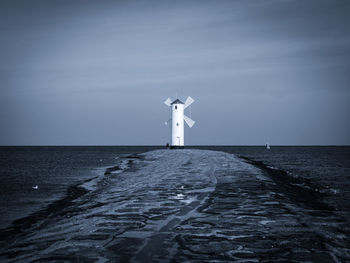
column 177, row 121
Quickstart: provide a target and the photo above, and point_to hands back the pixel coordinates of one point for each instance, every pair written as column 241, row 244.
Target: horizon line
column 199, row 145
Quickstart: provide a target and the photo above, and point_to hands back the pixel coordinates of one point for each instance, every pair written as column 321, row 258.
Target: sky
column 98, row 72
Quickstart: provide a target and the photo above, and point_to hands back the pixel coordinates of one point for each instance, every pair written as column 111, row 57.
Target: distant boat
column 35, row 187
column 267, row 146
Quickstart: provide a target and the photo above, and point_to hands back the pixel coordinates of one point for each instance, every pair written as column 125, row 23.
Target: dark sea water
column 53, row 170
column 326, row 169
column 293, row 199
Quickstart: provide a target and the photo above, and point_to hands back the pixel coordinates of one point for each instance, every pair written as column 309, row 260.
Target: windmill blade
column 188, row 102
column 189, row 121
column 168, row 102
column 168, row 122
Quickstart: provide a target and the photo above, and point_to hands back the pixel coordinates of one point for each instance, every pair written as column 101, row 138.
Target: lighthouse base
column 176, row 147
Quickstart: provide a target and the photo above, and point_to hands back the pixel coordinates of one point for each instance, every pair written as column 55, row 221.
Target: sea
column 323, row 169
column 36, row 181
column 53, row 169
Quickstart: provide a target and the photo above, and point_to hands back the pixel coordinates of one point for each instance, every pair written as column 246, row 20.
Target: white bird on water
column 35, row 187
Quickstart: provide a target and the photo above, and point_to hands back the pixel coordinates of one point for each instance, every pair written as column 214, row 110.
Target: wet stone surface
column 182, row 206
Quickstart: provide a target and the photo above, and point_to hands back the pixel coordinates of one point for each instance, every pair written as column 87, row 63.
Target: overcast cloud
column 97, row 72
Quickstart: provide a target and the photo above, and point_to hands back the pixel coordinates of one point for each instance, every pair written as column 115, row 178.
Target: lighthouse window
column 177, row 124
column 175, row 107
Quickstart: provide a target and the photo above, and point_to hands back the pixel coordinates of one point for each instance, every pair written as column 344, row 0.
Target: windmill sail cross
column 177, row 120
column 168, row 102
column 189, row 121
column 188, row 102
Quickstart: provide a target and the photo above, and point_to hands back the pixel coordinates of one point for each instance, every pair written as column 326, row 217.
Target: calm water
column 54, row 169
column 327, row 168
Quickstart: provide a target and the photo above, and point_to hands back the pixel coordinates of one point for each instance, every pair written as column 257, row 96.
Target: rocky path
column 183, row 206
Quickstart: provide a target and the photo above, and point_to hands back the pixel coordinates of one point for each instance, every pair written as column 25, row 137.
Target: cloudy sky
column 97, row 72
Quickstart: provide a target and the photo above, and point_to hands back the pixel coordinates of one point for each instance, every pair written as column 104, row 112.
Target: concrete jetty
column 182, row 206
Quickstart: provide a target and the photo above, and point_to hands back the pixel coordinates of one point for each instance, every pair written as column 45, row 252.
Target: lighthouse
column 177, row 121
